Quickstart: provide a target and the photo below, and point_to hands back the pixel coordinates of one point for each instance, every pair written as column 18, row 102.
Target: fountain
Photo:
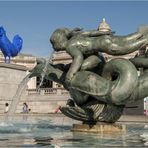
column 99, row 89
column 47, row 61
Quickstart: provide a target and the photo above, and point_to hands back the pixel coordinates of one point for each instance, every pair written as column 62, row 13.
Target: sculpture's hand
column 69, row 77
column 143, row 30
column 76, row 31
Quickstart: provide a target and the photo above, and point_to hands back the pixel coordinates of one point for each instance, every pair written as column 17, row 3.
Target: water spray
column 47, row 61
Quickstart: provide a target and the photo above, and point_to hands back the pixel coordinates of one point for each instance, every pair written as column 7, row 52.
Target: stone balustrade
column 47, row 91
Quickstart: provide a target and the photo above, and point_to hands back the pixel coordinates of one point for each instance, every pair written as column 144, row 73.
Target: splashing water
column 16, row 98
column 44, row 71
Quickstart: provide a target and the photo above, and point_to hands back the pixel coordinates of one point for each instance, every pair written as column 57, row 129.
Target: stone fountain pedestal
column 100, row 128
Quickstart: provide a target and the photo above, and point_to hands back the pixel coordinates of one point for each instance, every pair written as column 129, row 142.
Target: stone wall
column 10, row 77
column 43, row 100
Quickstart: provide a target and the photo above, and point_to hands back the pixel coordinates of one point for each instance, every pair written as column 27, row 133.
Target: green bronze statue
column 99, row 89
column 85, row 44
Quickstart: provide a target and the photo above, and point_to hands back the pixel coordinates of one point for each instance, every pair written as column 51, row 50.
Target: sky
column 35, row 21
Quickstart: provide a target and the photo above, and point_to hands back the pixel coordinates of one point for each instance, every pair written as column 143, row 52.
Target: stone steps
column 37, row 103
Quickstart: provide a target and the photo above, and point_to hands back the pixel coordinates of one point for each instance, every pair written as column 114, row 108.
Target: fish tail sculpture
column 9, row 49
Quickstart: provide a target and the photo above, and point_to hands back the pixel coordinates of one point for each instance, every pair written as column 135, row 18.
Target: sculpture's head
column 2, row 31
column 59, row 39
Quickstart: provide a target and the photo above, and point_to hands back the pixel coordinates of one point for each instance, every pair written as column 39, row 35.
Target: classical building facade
column 27, row 60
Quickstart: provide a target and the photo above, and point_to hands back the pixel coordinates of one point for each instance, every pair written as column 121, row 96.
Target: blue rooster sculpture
column 9, row 49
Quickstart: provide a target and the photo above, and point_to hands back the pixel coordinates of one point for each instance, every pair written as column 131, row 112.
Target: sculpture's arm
column 91, row 62
column 76, row 63
column 93, row 33
column 127, row 38
column 108, row 46
column 75, row 31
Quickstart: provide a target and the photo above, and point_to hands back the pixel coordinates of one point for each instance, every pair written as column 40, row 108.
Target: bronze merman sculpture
column 99, row 89
column 86, row 44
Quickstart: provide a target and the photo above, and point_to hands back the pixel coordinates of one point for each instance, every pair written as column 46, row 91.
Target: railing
column 47, row 91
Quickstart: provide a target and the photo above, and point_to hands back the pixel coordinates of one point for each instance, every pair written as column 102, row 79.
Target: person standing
column 57, row 110
column 6, row 108
column 25, row 108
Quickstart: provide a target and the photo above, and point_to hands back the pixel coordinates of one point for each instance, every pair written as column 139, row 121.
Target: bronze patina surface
column 99, row 89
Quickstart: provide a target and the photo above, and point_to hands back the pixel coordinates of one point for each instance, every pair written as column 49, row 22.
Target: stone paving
column 123, row 119
column 134, row 118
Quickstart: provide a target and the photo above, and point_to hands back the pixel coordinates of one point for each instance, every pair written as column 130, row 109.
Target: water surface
column 55, row 132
